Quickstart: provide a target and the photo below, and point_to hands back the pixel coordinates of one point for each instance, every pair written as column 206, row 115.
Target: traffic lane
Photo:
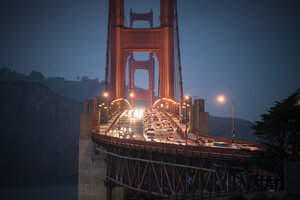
column 161, row 136
column 136, row 125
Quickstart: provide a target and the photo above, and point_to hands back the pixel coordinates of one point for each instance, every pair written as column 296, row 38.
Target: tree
column 36, row 76
column 279, row 130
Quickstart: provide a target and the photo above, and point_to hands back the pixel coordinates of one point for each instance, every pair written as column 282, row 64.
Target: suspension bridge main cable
column 178, row 55
column 107, row 48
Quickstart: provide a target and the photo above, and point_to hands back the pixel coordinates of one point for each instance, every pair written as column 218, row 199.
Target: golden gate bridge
column 133, row 162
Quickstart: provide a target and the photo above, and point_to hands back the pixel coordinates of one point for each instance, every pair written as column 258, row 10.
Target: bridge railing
column 104, row 140
column 178, row 128
column 112, row 124
column 219, row 139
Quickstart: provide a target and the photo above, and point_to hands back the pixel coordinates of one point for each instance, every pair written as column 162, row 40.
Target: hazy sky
column 248, row 50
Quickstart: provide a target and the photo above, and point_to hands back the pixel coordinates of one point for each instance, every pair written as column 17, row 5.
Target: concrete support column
column 199, row 118
column 91, row 171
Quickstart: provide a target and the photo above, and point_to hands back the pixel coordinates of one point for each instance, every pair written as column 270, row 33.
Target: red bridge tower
column 123, row 41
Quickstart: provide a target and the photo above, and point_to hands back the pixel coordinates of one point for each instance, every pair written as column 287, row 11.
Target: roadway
column 129, row 123
column 133, row 121
column 133, row 124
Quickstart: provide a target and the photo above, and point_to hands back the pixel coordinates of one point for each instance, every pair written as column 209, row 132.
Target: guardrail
column 218, row 139
column 104, row 140
column 179, row 130
column 109, row 128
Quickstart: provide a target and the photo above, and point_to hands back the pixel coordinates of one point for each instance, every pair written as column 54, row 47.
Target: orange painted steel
column 141, row 17
column 124, row 41
column 140, row 94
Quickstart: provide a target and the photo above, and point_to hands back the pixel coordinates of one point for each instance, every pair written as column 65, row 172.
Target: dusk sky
column 248, row 50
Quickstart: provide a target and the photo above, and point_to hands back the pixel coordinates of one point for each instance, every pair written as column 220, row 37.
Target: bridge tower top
column 163, row 41
column 141, row 17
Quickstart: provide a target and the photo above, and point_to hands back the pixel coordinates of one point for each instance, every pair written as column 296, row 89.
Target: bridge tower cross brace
column 125, row 41
column 148, row 65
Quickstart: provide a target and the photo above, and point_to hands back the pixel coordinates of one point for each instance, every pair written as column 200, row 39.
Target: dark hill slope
column 39, row 134
column 79, row 90
column 222, row 127
column 86, row 88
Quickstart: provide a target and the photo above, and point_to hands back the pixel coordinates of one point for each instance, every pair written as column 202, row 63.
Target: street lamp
column 131, row 96
column 222, row 99
column 100, row 106
column 186, row 119
column 105, row 95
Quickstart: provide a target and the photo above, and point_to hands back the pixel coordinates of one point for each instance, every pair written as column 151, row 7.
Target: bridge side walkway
column 104, row 127
column 191, row 136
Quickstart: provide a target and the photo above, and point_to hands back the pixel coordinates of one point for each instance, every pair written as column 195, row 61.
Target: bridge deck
column 105, row 140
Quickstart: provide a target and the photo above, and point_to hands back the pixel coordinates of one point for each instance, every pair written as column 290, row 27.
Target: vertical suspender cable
column 107, row 48
column 178, row 55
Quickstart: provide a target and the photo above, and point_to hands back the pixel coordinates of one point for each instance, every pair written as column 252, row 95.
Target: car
column 170, row 138
column 200, row 142
column 150, row 138
column 179, row 142
column 170, row 128
column 150, row 129
column 157, row 126
column 208, row 142
column 221, row 145
column 131, row 134
column 250, row 147
column 125, row 136
column 190, row 143
column 150, row 133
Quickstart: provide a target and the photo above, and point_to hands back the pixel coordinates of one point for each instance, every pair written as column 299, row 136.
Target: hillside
column 222, row 127
column 79, row 90
column 39, row 134
column 86, row 88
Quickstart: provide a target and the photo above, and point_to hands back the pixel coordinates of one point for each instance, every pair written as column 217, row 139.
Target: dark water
column 54, row 192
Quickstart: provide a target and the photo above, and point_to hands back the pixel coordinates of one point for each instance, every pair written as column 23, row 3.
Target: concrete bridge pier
column 92, row 164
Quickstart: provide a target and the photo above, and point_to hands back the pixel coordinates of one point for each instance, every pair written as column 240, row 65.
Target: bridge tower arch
column 124, row 41
column 147, row 65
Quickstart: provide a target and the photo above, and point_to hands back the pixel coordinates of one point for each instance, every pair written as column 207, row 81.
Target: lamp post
column 186, row 118
column 131, row 96
column 119, row 127
column 100, row 106
column 105, row 95
column 223, row 99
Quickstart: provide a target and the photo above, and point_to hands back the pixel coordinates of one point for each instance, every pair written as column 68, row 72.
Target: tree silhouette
column 279, row 130
column 36, row 76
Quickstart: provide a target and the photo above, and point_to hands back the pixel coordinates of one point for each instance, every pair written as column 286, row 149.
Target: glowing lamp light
column 186, row 97
column 131, row 94
column 105, row 94
column 221, row 99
